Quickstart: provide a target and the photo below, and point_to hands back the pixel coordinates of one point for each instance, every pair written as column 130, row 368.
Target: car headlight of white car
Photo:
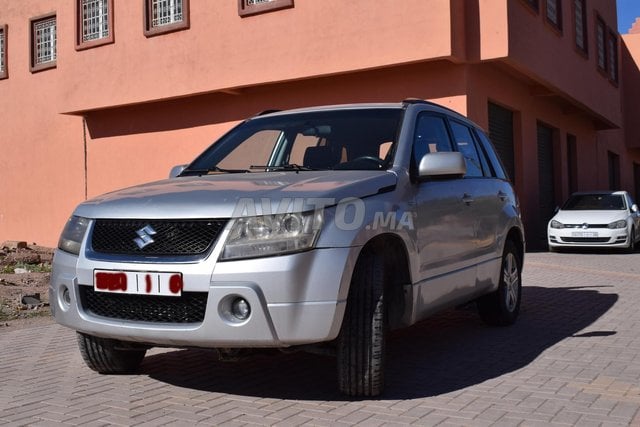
column 618, row 224
column 556, row 224
column 269, row 235
column 73, row 234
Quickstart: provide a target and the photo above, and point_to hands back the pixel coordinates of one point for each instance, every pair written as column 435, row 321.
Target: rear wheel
column 501, row 307
column 361, row 344
column 108, row 356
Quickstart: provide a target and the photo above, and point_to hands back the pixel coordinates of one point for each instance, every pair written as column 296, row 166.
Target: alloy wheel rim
column 511, row 280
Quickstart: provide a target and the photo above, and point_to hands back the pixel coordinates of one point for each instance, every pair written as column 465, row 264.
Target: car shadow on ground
column 448, row 352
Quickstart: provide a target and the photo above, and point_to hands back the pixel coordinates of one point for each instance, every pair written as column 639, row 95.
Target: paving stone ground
column 573, row 358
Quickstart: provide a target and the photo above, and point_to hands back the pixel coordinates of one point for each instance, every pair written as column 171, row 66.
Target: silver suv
column 314, row 229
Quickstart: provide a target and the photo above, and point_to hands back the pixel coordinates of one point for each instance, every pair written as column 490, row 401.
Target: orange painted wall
column 41, row 152
column 151, row 103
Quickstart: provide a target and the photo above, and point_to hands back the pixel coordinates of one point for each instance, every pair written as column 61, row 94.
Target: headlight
column 72, row 235
column 556, row 224
column 272, row 235
column 618, row 224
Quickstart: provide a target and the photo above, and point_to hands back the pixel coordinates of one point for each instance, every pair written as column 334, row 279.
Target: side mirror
column 177, row 170
column 634, row 208
column 556, row 210
column 441, row 165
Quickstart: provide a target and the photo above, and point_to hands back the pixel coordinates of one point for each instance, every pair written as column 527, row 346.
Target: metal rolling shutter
column 501, row 134
column 546, row 178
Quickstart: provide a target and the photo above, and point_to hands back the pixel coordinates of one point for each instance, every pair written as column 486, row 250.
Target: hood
column 233, row 195
column 590, row 217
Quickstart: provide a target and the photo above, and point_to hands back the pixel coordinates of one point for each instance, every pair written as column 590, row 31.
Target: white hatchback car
column 596, row 219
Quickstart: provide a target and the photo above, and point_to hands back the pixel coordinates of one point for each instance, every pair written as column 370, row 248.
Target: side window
column 466, row 146
column 431, row 136
column 496, row 165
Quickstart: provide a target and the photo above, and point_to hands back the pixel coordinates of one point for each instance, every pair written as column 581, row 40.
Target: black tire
column 501, row 307
column 632, row 242
column 361, row 343
column 108, row 356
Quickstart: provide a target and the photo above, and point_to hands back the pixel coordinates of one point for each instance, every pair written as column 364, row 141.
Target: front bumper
column 294, row 299
column 593, row 238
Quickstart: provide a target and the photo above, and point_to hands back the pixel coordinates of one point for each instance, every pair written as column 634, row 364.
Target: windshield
column 349, row 139
column 594, row 202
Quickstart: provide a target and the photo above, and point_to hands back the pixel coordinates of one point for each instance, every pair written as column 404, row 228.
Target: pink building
column 95, row 96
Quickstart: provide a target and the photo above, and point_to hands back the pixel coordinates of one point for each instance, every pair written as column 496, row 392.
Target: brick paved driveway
column 573, row 358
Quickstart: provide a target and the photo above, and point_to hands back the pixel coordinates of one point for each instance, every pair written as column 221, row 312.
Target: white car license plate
column 584, row 234
column 138, row 282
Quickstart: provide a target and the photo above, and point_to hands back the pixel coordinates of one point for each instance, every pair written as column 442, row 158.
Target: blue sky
column 628, row 11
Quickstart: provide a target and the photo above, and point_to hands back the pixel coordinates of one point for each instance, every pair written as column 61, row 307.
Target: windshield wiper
column 288, row 167
column 213, row 169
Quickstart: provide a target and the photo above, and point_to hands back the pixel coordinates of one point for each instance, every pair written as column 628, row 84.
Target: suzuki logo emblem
column 144, row 238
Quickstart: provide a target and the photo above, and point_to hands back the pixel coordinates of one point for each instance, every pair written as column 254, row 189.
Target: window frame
column 584, row 51
column 34, row 68
column 557, row 26
column 4, row 73
column 80, row 44
column 150, row 31
column 245, row 9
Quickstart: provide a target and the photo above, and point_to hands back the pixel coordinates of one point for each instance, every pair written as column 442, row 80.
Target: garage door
column 501, row 134
column 546, row 177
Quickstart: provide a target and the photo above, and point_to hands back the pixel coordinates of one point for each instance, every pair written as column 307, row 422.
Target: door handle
column 467, row 199
column 503, row 196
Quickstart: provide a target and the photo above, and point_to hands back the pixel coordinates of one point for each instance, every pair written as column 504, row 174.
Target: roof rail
column 415, row 101
column 262, row 113
column 410, row 101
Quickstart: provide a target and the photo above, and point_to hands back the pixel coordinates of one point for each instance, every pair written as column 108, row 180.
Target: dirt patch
column 24, row 285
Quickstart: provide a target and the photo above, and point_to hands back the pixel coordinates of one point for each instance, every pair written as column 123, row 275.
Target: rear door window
column 467, row 146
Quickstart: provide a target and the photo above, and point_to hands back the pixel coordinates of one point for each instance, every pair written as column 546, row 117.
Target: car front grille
column 158, row 237
column 585, row 239
column 190, row 307
column 585, row 226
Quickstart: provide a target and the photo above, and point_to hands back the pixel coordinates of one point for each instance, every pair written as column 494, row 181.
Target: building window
column 94, row 23
column 3, row 52
column 601, row 34
column 580, row 16
column 554, row 13
column 43, row 43
column 612, row 50
column 163, row 16
column 253, row 7
column 533, row 4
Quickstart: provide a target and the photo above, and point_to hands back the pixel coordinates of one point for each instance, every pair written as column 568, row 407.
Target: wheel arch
column 397, row 269
column 515, row 236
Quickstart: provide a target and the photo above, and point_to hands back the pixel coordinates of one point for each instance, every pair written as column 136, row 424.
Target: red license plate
column 138, row 282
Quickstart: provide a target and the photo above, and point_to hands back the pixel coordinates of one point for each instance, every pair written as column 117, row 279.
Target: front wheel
column 361, row 343
column 108, row 356
column 632, row 242
column 501, row 307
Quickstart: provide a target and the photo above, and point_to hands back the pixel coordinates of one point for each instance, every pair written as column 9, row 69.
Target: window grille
column 44, row 41
column 2, row 49
column 95, row 19
column 554, row 13
column 254, row 7
column 602, row 48
column 612, row 49
column 166, row 12
column 581, row 24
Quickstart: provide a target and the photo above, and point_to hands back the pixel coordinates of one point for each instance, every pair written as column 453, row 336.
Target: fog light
column 240, row 309
column 66, row 296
